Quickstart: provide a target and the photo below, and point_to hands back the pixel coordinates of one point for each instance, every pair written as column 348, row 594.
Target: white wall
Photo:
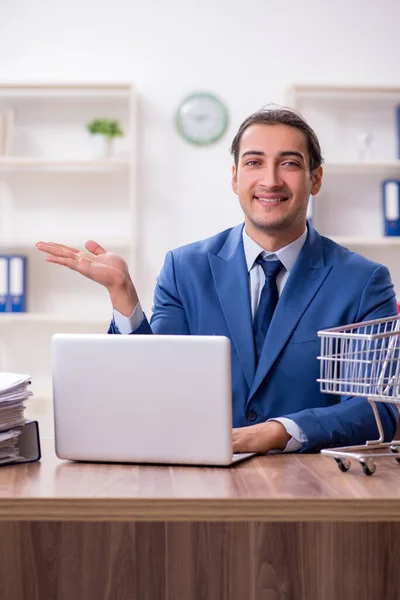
column 246, row 52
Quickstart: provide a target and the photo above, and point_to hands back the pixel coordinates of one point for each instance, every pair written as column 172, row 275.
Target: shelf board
column 106, row 242
column 345, row 92
column 32, row 90
column 361, row 167
column 366, row 241
column 106, row 164
column 28, row 317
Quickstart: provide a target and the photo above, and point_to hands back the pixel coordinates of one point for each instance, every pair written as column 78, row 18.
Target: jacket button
column 251, row 415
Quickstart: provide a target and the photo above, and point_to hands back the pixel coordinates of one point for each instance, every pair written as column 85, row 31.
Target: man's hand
column 106, row 268
column 260, row 438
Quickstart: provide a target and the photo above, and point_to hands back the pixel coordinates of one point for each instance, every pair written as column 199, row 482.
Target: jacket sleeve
column 351, row 421
column 143, row 329
column 168, row 313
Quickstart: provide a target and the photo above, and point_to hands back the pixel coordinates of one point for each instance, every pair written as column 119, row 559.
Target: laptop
column 143, row 399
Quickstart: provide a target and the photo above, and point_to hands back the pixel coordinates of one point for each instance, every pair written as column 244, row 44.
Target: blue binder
column 3, row 283
column 398, row 130
column 17, row 283
column 310, row 211
column 391, row 206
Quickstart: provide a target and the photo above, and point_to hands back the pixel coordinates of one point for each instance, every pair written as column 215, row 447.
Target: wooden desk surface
column 267, row 488
column 271, row 527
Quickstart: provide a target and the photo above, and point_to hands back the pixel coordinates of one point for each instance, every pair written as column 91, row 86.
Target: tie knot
column 271, row 268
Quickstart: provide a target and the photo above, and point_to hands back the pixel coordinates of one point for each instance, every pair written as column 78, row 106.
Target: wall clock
column 202, row 118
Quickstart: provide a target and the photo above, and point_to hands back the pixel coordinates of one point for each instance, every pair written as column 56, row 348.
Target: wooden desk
column 278, row 527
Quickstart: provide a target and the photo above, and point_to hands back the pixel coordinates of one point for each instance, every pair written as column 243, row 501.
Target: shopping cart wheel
column 344, row 465
column 368, row 466
column 395, row 450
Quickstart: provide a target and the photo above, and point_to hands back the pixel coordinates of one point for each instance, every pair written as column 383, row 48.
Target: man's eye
column 291, row 163
column 252, row 163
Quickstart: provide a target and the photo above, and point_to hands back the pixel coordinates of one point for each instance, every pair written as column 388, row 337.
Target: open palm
column 97, row 264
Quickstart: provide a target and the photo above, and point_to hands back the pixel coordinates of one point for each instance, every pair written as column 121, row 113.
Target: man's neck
column 271, row 241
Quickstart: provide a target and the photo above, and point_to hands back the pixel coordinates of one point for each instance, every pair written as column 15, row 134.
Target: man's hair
column 281, row 116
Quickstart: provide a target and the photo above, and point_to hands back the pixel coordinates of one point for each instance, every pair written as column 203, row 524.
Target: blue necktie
column 268, row 301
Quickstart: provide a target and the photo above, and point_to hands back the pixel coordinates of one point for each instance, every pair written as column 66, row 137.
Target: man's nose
column 271, row 177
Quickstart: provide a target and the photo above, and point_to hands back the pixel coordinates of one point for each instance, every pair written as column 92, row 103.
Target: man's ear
column 234, row 179
column 316, row 181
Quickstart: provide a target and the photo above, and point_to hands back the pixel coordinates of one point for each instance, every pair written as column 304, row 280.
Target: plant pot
column 101, row 146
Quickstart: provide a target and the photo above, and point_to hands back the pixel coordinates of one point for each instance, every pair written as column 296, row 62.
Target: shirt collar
column 287, row 255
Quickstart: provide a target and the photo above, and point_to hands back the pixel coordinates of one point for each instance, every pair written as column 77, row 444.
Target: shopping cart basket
column 363, row 359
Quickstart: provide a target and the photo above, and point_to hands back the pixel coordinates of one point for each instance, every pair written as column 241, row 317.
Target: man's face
column 273, row 179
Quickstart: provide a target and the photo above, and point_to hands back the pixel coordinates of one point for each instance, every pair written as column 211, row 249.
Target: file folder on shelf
column 17, row 283
column 9, row 118
column 310, row 211
column 3, row 283
column 391, row 206
column 398, row 130
column 12, row 283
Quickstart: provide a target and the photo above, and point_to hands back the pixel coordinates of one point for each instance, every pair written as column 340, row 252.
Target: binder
column 398, row 130
column 310, row 211
column 8, row 132
column 391, row 206
column 19, row 438
column 17, row 284
column 2, row 133
column 28, row 444
column 3, row 283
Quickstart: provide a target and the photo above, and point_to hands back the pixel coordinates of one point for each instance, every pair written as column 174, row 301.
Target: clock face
column 202, row 119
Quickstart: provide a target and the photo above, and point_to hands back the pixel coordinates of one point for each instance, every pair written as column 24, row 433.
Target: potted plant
column 104, row 131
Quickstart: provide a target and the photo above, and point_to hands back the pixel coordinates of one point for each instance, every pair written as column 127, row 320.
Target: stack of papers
column 14, row 391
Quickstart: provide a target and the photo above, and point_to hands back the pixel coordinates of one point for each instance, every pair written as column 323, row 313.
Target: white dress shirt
column 288, row 256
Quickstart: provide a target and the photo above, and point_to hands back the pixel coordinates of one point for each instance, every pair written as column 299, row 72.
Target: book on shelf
column 8, row 132
column 19, row 438
column 310, row 210
column 391, row 206
column 2, row 133
column 398, row 130
column 12, row 283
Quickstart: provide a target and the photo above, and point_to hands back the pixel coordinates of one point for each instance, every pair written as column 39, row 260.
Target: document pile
column 14, row 392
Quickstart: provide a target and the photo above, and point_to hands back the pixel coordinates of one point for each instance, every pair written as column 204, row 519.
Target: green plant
column 108, row 127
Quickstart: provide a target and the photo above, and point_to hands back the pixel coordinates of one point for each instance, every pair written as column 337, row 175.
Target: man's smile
column 265, row 199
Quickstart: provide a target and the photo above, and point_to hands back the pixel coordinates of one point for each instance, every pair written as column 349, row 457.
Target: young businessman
column 269, row 286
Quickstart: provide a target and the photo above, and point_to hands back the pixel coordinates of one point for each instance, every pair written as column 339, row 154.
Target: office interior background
column 162, row 191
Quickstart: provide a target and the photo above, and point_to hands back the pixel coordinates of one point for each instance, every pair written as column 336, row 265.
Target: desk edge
column 178, row 510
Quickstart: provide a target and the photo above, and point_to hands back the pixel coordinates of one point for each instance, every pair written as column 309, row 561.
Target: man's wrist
column 278, row 435
column 298, row 437
column 124, row 299
column 261, row 438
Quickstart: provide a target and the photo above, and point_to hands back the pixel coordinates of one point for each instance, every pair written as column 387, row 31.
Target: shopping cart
column 363, row 359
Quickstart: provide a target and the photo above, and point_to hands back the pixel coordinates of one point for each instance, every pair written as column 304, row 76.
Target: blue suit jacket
column 203, row 289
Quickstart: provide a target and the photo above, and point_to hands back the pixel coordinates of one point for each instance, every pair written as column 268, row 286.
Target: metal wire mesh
column 362, row 359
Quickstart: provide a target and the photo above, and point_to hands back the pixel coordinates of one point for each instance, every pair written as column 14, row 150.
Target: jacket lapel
column 229, row 271
column 306, row 278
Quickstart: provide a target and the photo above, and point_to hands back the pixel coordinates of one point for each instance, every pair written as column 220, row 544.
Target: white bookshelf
column 56, row 318
column 362, row 168
column 23, row 162
column 349, row 207
column 117, row 244
column 54, row 187
column 385, row 242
